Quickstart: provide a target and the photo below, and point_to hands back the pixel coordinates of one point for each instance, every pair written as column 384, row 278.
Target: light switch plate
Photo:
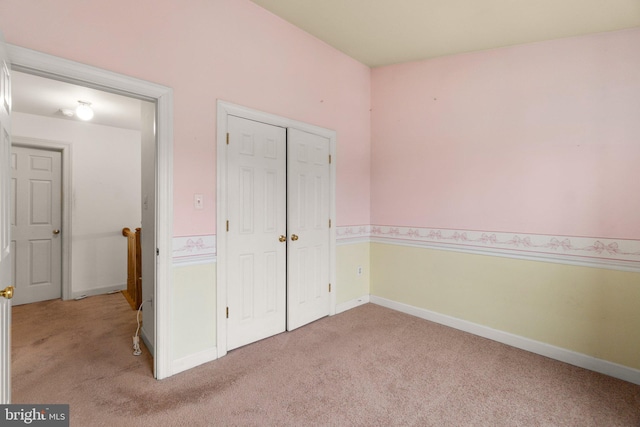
column 198, row 202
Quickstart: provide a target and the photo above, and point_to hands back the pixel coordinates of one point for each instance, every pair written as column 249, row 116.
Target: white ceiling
column 46, row 97
column 383, row 32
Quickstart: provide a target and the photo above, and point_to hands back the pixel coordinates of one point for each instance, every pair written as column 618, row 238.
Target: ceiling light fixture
column 66, row 112
column 84, row 111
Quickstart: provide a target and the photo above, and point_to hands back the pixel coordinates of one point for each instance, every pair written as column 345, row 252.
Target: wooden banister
column 133, row 293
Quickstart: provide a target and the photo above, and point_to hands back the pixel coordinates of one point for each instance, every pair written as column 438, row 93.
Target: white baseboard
column 352, row 304
column 193, row 360
column 98, row 291
column 571, row 357
column 147, row 341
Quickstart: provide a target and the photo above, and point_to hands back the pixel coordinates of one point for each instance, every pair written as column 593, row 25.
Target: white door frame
column 65, row 150
column 224, row 110
column 44, row 64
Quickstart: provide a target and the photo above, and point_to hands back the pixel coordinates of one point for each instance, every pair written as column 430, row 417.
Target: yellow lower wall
column 194, row 314
column 587, row 310
column 349, row 285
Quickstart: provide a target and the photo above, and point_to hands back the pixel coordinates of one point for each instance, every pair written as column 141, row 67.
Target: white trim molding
column 145, row 339
column 348, row 305
column 103, row 290
column 192, row 250
column 193, row 360
column 557, row 353
column 614, row 254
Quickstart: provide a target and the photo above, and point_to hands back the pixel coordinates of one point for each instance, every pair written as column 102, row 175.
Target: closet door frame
column 225, row 109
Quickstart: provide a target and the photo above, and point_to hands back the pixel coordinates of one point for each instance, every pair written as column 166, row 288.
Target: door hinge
column 329, row 287
column 227, row 312
column 227, row 225
column 157, row 251
column 329, row 223
column 329, row 158
column 227, row 138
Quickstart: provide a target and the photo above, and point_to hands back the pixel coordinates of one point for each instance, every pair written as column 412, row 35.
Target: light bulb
column 84, row 111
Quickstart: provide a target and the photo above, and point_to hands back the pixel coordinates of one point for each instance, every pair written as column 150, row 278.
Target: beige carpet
column 369, row 366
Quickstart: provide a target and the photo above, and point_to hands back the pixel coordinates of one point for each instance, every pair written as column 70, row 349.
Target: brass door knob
column 56, row 231
column 294, row 237
column 7, row 292
column 282, row 238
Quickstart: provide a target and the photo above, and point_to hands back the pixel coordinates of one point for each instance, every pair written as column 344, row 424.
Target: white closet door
column 308, row 226
column 256, row 237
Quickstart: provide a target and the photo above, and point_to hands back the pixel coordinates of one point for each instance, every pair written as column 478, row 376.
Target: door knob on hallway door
column 294, row 237
column 282, row 238
column 7, row 292
column 56, row 231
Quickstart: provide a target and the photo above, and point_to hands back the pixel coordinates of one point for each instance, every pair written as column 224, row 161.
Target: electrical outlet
column 359, row 271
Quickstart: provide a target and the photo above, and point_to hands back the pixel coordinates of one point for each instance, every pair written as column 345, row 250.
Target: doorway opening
column 158, row 199
column 95, row 166
column 75, row 191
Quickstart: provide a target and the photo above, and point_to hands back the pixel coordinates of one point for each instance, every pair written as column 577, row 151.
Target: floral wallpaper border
column 619, row 254
column 599, row 252
column 194, row 249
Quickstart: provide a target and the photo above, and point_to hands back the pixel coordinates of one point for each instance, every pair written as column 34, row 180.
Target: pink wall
column 205, row 50
column 539, row 138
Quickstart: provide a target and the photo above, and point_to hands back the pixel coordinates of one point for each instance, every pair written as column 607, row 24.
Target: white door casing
column 256, row 252
column 225, row 111
column 36, row 221
column 308, row 295
column 149, row 217
column 5, row 220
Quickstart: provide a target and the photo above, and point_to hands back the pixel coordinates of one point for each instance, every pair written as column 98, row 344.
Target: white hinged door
column 5, row 222
column 36, row 239
column 308, row 216
column 256, row 250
